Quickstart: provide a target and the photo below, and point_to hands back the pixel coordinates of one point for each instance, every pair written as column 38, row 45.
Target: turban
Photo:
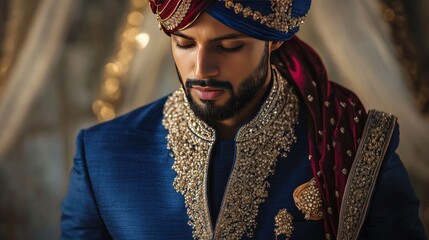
column 336, row 117
column 275, row 20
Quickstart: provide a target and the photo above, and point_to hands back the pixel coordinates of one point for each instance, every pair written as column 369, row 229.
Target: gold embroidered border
column 259, row 143
column 176, row 17
column 364, row 172
column 191, row 153
column 280, row 19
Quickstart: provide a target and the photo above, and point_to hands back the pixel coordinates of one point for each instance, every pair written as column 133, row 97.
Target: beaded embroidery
column 258, row 145
column 284, row 224
column 280, row 19
column 176, row 17
column 308, row 200
column 363, row 174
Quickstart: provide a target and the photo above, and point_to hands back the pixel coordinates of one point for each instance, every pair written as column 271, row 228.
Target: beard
column 211, row 113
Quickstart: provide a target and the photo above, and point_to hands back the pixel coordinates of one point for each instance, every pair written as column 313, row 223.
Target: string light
column 116, row 70
column 143, row 39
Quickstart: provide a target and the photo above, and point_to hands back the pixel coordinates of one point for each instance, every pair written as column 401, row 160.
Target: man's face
column 220, row 69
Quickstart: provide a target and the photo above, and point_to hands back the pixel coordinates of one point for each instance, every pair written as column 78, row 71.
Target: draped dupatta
column 335, row 123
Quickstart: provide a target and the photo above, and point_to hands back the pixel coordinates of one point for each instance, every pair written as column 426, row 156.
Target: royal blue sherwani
column 131, row 180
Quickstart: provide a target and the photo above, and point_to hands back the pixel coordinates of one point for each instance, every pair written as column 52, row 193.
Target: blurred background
column 66, row 65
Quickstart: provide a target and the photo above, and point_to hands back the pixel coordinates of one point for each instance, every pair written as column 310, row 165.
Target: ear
column 275, row 45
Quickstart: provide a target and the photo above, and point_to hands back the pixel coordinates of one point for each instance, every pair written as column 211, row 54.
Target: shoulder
column 382, row 128
column 141, row 119
column 378, row 176
column 387, row 219
column 379, row 141
column 141, row 124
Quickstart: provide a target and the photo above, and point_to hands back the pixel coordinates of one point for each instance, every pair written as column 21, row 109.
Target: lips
column 208, row 93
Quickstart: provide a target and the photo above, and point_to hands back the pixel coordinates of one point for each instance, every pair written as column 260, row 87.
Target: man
column 257, row 144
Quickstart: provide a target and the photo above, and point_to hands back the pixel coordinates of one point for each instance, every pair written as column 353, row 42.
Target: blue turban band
column 250, row 27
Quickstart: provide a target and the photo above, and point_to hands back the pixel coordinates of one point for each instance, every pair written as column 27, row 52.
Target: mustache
column 208, row 83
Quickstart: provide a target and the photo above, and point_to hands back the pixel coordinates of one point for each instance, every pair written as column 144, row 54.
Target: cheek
column 183, row 60
column 240, row 66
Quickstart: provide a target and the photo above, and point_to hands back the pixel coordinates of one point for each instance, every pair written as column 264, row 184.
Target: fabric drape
column 32, row 67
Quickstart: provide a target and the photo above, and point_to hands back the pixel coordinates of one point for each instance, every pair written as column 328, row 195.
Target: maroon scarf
column 335, row 123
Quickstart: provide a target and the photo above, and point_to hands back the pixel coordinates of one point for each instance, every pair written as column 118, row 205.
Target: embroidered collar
column 258, row 145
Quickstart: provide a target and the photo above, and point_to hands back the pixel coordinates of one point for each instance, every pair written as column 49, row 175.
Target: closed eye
column 220, row 47
column 184, row 46
column 230, row 49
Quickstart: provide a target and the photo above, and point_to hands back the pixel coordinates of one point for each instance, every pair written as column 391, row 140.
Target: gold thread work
column 176, row 17
column 284, row 224
column 258, row 145
column 363, row 174
column 280, row 19
column 308, row 200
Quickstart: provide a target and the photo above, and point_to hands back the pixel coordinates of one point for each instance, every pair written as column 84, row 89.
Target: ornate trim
column 280, row 19
column 258, row 145
column 176, row 16
column 308, row 200
column 364, row 172
column 191, row 142
column 284, row 224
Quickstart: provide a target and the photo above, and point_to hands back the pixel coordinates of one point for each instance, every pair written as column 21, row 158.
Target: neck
column 227, row 129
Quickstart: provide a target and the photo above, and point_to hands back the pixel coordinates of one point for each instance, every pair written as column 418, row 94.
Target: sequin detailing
column 191, row 153
column 176, row 17
column 363, row 174
column 308, row 200
column 284, row 224
column 280, row 19
column 258, row 145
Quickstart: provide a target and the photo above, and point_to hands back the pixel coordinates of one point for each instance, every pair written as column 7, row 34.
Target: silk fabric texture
column 336, row 116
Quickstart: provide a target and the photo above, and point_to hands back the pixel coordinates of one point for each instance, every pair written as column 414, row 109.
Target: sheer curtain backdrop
column 354, row 42
column 32, row 67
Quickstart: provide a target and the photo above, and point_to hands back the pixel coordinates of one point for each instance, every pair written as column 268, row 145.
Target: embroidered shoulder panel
column 364, row 172
column 259, row 143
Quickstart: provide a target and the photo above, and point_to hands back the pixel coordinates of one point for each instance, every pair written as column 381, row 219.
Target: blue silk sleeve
column 80, row 217
column 393, row 213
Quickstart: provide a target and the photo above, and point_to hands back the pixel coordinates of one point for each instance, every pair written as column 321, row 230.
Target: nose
column 206, row 64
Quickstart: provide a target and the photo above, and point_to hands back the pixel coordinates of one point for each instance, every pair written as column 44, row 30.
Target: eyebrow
column 220, row 38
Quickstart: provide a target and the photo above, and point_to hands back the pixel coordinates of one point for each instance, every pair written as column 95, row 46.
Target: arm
column 80, row 216
column 393, row 212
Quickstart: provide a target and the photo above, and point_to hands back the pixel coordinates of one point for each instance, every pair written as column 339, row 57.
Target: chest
column 136, row 196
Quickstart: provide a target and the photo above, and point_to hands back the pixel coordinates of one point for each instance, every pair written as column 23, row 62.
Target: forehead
column 207, row 27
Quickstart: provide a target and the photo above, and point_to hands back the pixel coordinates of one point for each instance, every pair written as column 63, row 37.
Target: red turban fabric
column 167, row 10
